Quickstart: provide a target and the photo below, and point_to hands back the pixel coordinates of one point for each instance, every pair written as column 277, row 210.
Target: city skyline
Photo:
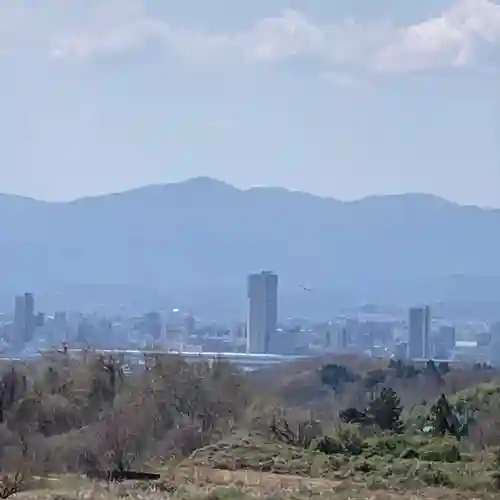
column 260, row 340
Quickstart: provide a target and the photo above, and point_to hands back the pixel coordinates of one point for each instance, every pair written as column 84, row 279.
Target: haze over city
column 249, row 249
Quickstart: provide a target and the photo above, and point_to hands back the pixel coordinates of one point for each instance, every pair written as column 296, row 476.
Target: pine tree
column 386, row 411
column 336, row 376
column 440, row 415
column 446, row 418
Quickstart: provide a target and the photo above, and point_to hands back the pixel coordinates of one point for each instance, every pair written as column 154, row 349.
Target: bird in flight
column 305, row 288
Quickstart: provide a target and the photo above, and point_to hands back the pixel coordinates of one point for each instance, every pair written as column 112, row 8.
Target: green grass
column 381, row 463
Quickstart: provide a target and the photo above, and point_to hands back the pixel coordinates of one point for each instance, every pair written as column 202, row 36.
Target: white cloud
column 115, row 40
column 456, row 37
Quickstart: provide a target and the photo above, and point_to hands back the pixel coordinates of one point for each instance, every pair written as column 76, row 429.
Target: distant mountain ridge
column 204, row 233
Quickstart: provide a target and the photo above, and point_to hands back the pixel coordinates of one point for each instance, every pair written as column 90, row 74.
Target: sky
column 344, row 98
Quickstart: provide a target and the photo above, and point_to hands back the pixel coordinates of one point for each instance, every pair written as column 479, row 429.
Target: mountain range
column 202, row 237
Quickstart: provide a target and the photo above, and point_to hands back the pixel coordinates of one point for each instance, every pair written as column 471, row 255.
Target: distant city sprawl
column 259, row 338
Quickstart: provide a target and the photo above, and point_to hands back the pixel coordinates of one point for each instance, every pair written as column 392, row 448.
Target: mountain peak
column 204, row 182
column 204, row 233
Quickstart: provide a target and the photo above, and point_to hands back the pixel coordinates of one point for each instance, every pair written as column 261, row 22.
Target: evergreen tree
column 335, row 376
column 446, row 418
column 386, row 411
column 354, row 416
column 439, row 416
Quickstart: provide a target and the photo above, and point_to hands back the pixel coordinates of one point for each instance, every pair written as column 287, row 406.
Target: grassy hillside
column 329, row 427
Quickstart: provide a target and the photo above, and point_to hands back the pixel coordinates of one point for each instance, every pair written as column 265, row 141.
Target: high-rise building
column 153, row 325
column 262, row 311
column 344, row 338
column 401, row 350
column 419, row 323
column 25, row 319
column 447, row 338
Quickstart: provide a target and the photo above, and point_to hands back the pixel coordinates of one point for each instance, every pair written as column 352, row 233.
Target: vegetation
column 202, row 426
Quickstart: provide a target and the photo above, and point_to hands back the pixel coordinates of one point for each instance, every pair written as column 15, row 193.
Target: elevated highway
column 244, row 360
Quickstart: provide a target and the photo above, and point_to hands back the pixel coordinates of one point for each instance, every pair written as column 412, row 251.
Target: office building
column 25, row 318
column 262, row 311
column 419, row 323
column 153, row 326
column 446, row 340
column 401, row 350
column 344, row 338
column 61, row 326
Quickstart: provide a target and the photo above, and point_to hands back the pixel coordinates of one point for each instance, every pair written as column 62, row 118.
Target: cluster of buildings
column 418, row 337
column 262, row 337
column 26, row 320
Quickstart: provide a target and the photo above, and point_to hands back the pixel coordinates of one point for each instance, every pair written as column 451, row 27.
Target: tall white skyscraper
column 262, row 311
column 419, row 328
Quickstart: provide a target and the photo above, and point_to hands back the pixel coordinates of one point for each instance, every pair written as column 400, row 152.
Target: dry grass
column 198, row 483
column 72, row 416
column 201, row 477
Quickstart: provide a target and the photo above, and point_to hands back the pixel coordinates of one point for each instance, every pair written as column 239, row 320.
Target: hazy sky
column 343, row 98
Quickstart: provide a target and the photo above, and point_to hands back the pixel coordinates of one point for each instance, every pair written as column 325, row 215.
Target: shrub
column 346, row 441
column 78, row 415
column 336, row 376
column 434, row 477
column 386, row 444
column 440, row 450
column 329, row 445
column 350, row 437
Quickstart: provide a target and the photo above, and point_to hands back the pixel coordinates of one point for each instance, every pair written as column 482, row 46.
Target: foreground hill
column 202, row 232
column 205, row 431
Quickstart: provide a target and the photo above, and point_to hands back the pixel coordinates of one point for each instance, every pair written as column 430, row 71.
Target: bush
column 387, row 444
column 329, row 445
column 347, row 441
column 350, row 437
column 78, row 415
column 440, row 450
column 434, row 477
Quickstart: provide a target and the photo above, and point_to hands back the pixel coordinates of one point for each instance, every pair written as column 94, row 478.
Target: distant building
column 344, row 338
column 445, row 341
column 262, row 311
column 189, row 326
column 153, row 326
column 61, row 326
column 25, row 319
column 401, row 350
column 495, row 329
column 419, row 323
column 352, row 335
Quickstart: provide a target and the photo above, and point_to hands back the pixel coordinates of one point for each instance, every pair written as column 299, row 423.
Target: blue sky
column 343, row 98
